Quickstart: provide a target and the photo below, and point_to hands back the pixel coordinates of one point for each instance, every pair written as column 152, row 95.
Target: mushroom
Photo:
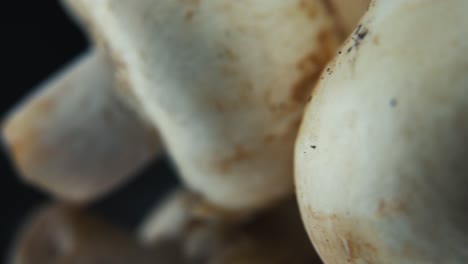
column 348, row 12
column 380, row 159
column 61, row 234
column 225, row 83
column 169, row 218
column 74, row 137
column 258, row 239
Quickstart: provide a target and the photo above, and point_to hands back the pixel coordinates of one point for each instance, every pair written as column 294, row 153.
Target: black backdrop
column 37, row 38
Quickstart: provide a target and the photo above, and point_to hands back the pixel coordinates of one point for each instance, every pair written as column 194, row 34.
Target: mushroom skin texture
column 258, row 239
column 74, row 137
column 348, row 12
column 61, row 234
column 225, row 83
column 380, row 159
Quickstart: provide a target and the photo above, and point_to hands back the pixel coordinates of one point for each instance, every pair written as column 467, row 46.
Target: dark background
column 37, row 39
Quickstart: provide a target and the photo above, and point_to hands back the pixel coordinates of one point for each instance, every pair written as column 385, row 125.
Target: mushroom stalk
column 74, row 137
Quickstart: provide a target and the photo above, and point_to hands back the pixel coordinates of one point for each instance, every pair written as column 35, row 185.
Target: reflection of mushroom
column 224, row 81
column 275, row 236
column 74, row 137
column 169, row 218
column 59, row 234
column 381, row 174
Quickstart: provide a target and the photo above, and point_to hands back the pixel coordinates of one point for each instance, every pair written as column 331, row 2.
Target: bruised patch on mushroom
column 329, row 231
column 391, row 207
column 310, row 67
column 309, row 7
column 239, row 154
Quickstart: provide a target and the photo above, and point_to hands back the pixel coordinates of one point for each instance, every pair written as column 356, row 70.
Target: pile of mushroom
column 359, row 108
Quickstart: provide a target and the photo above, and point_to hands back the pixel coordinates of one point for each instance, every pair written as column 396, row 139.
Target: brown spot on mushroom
column 122, row 81
column 332, row 11
column 229, row 54
column 239, row 154
column 219, row 106
column 45, row 106
column 302, row 86
column 381, row 208
column 294, row 126
column 376, row 40
column 340, row 237
column 123, row 87
column 270, row 138
column 310, row 7
column 228, row 68
column 190, row 8
column 353, row 249
column 330, row 8
column 245, row 93
column 201, row 210
column 274, row 106
column 23, row 132
column 188, row 14
column 310, row 67
column 289, row 134
column 19, row 146
column 391, row 207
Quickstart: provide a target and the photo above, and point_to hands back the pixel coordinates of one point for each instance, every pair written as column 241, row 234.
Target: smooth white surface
column 387, row 181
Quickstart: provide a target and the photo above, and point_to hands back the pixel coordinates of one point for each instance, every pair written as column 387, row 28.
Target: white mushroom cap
column 224, row 81
column 74, row 137
column 380, row 159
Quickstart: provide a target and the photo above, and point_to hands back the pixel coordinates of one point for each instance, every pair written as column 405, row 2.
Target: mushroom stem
column 74, row 137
